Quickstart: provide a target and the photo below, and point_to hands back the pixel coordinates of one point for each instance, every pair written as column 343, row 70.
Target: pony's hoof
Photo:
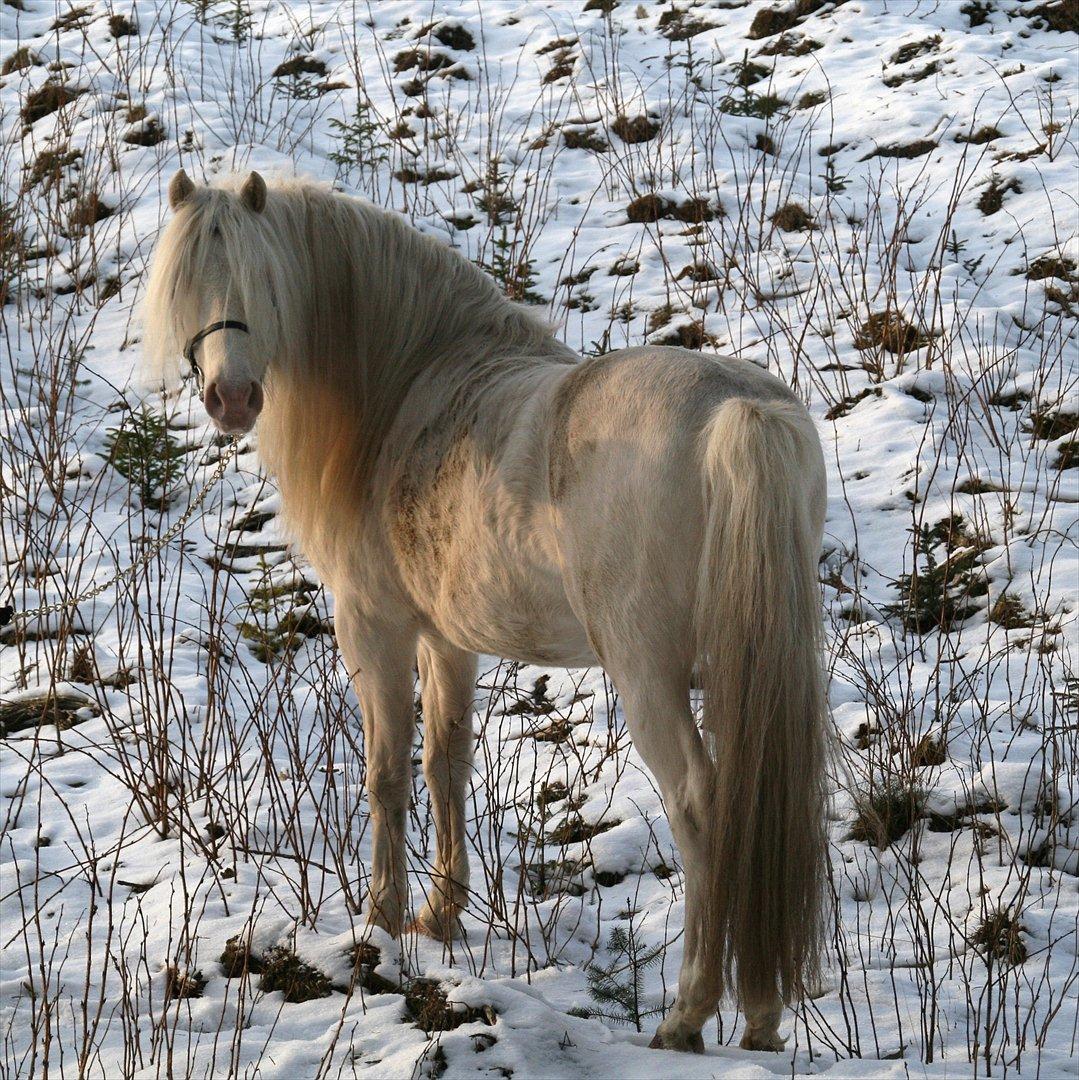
column 690, row 1042
column 760, row 1040
column 444, row 926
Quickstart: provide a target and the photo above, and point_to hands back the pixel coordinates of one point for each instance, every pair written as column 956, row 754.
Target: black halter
column 206, row 331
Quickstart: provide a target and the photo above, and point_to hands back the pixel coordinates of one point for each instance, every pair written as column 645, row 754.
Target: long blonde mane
column 348, row 303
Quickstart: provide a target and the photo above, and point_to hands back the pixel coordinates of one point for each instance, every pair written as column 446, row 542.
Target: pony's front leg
column 379, row 659
column 448, row 681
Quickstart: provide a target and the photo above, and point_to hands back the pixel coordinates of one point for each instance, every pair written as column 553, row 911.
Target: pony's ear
column 253, row 193
column 180, row 188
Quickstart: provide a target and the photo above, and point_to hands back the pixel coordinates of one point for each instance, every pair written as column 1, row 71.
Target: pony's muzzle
column 233, row 407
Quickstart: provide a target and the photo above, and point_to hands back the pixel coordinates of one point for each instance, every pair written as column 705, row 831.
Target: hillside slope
column 875, row 200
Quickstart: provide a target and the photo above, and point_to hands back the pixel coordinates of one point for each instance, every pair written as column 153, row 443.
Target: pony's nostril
column 254, row 401
column 215, row 406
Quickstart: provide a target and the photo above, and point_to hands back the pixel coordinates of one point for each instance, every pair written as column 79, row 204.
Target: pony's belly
column 567, row 653
column 533, row 627
column 564, row 654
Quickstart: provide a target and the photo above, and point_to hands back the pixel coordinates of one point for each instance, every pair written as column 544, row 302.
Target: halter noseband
column 206, row 331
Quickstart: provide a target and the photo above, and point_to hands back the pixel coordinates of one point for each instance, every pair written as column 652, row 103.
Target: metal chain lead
column 141, row 561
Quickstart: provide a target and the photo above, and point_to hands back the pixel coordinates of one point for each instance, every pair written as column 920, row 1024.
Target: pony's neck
column 377, row 306
column 384, row 304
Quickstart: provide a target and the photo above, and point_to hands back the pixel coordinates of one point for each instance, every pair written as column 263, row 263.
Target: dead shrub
column 73, row 18
column 695, row 211
column 88, row 211
column 985, row 134
column 407, row 175
column 790, row 45
column 920, row 75
column 890, row 331
column 299, row 65
column 647, row 209
column 699, row 272
column 561, row 69
column 679, row 25
column 636, row 130
column 183, row 985
column 48, row 167
column 149, row 133
column 764, row 143
column 1052, row 266
column 1062, row 16
column 793, row 217
column 557, row 45
column 687, row 335
column 844, row 406
column 992, row 198
column 430, row 1008
column 998, row 936
column 977, row 12
column 929, row 751
column 21, row 59
column 775, row 20
column 651, row 208
column 422, row 60
column 283, row 970
column 121, row 26
column 918, row 148
column 365, row 958
column 1068, row 457
column 454, row 36
column 1010, row 613
column 63, row 711
column 584, row 139
column 237, row 959
column 747, row 73
column 887, row 812
column 660, row 318
column 1051, row 423
column 573, row 829
column 913, row 49
column 47, row 99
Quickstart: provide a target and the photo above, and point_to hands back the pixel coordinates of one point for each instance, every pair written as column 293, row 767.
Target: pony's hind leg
column 655, row 699
column 762, row 1024
column 448, row 681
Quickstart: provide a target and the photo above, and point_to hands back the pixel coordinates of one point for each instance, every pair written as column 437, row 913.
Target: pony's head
column 214, row 297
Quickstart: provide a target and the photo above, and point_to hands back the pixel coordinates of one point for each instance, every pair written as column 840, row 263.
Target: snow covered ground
column 876, row 200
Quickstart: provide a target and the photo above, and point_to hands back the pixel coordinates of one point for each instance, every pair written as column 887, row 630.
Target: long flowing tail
column 758, row 624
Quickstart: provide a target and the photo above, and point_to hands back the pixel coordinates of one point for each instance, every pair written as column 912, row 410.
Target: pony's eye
column 215, row 232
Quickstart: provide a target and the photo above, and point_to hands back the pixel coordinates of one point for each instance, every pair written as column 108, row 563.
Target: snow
column 211, row 791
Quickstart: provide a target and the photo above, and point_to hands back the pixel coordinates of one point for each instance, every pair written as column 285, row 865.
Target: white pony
column 466, row 484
